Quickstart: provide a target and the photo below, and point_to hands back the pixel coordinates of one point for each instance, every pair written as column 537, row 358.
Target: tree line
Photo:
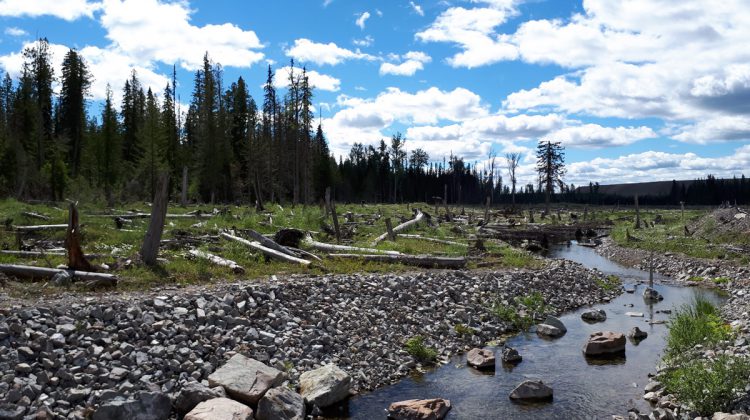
column 231, row 148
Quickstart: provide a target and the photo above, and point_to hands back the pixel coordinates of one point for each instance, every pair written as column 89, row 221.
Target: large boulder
column 594, row 315
column 194, row 393
column 144, row 406
column 246, row 380
column 432, row 409
column 510, row 355
column 281, row 404
column 481, row 358
column 220, row 409
column 604, row 343
column 531, row 391
column 325, row 386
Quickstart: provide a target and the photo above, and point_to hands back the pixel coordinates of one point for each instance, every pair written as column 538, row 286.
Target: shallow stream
column 583, row 388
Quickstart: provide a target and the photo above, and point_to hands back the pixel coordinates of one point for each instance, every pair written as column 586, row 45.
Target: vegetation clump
column 693, row 324
column 416, row 347
column 521, row 316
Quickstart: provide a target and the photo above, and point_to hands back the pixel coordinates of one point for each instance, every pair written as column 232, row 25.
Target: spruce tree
column 550, row 166
column 75, row 84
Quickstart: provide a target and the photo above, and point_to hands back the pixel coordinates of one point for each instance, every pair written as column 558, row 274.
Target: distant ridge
column 655, row 188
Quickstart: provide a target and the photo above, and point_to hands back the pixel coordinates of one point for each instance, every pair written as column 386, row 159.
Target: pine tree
column 151, row 139
column 133, row 113
column 76, row 81
column 109, row 150
column 551, row 168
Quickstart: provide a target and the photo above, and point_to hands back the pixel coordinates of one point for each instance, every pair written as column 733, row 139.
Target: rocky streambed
column 66, row 359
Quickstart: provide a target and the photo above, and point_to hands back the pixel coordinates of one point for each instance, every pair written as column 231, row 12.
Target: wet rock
column 634, row 314
column 531, row 391
column 481, row 358
column 510, row 355
column 325, row 386
column 636, row 334
column 281, row 404
column 194, row 393
column 604, row 343
column 246, row 379
column 549, row 330
column 432, row 409
column 651, row 295
column 594, row 315
column 555, row 322
column 145, row 406
column 727, row 416
column 662, row 414
column 220, row 409
column 652, row 386
column 651, row 397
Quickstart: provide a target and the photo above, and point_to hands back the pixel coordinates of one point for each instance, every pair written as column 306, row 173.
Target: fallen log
column 269, row 243
column 426, row 261
column 42, row 272
column 215, row 259
column 425, row 238
column 267, row 251
column 321, row 246
column 304, row 253
column 33, row 215
column 400, row 227
column 41, row 254
column 35, row 228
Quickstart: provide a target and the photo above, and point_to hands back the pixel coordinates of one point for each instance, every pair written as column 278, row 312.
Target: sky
column 635, row 90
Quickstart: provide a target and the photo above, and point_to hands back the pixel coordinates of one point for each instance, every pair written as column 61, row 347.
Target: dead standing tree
column 150, row 247
column 512, row 161
column 76, row 259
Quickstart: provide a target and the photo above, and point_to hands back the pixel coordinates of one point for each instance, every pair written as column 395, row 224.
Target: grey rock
column 636, row 334
column 281, row 403
column 246, row 379
column 481, row 358
column 11, row 411
column 594, row 315
column 325, row 386
column 531, row 391
column 220, row 409
column 510, row 355
column 549, row 330
column 145, row 406
column 433, row 409
column 603, row 343
column 194, row 393
column 551, row 320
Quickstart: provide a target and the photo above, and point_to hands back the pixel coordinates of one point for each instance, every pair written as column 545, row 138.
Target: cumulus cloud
column 362, row 19
column 364, row 42
column 410, row 64
column 308, row 51
column 151, row 30
column 316, row 80
column 722, row 128
column 597, row 136
column 64, row 9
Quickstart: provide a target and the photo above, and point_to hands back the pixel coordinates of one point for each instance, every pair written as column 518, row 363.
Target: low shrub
column 416, row 347
column 462, row 329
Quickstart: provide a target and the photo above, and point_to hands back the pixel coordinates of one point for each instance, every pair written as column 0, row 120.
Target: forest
column 228, row 147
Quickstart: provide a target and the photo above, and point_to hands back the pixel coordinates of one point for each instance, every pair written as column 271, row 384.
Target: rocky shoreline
column 65, row 360
column 688, row 271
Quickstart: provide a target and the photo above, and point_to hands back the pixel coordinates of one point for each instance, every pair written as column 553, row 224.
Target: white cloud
column 13, row 31
column 722, row 128
column 316, row 80
column 412, row 62
column 597, row 136
column 362, row 19
column 417, row 8
column 364, row 42
column 308, row 51
column 151, row 30
column 64, row 9
column 473, row 30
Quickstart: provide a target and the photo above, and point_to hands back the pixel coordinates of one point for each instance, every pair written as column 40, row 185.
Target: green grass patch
column 416, row 347
column 721, row 280
column 693, row 324
column 522, row 313
column 609, row 283
column 709, row 385
column 462, row 329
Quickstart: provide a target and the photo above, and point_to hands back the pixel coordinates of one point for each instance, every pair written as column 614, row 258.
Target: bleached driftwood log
column 427, row 261
column 321, row 246
column 150, row 247
column 43, row 272
column 267, row 251
column 425, row 238
column 400, row 227
column 36, row 228
column 215, row 259
column 33, row 215
column 269, row 243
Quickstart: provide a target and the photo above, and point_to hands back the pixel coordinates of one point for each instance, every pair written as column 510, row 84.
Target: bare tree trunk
column 76, row 259
column 150, row 248
column 332, row 207
column 389, row 229
column 637, row 214
column 445, row 203
column 401, row 227
column 184, row 194
column 487, row 210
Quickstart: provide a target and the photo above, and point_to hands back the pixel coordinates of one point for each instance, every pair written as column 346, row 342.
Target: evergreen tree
column 151, row 139
column 550, row 166
column 76, row 81
column 133, row 113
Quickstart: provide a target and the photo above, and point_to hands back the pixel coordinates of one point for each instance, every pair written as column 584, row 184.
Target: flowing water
column 583, row 388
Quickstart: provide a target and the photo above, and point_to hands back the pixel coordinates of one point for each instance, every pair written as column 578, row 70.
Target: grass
column 462, row 329
column 520, row 316
column 709, row 385
column 609, row 283
column 697, row 323
column 416, row 347
column 100, row 236
column 721, row 280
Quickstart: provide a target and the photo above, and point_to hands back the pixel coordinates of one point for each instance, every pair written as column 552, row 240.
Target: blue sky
column 635, row 90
